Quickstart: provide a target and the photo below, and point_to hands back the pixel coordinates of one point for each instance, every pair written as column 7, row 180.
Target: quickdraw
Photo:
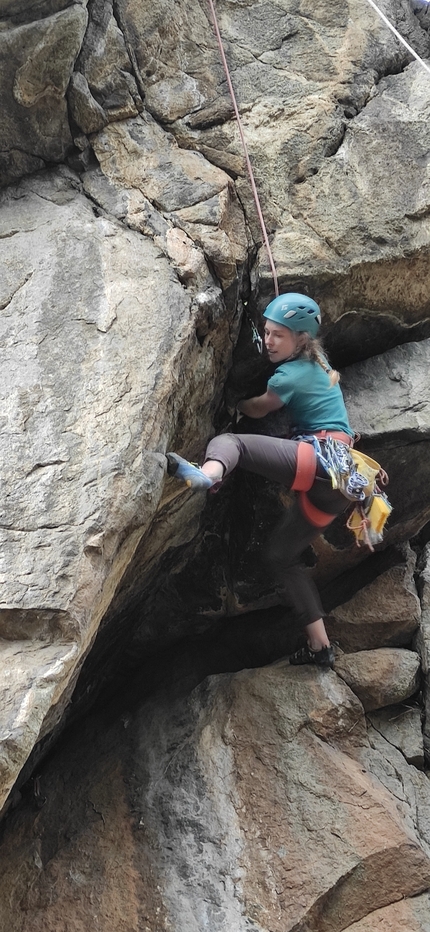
column 255, row 335
column 356, row 475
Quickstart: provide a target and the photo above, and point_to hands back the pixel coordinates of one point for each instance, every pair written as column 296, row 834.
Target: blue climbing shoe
column 188, row 472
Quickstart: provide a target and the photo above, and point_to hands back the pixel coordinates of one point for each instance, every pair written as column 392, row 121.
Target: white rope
column 396, row 33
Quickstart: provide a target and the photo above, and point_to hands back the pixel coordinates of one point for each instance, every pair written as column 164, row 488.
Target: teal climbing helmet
column 295, row 311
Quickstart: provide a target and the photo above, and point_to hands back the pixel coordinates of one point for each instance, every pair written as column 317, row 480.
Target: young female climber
column 303, row 381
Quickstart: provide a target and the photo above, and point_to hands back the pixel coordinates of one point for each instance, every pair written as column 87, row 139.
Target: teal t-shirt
column 314, row 404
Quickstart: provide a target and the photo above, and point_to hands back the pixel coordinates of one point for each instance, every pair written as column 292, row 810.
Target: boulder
column 385, row 613
column 380, row 677
column 89, row 404
column 409, row 915
column 36, row 63
column 252, row 803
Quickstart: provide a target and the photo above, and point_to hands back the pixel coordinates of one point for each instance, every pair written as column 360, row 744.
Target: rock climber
column 309, row 387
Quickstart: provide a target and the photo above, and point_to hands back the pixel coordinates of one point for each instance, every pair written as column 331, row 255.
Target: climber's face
column 281, row 343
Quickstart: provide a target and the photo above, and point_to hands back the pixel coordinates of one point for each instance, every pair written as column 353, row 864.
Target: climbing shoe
column 191, row 474
column 322, row 658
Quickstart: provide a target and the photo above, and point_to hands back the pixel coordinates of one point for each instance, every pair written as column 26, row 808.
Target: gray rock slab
column 401, row 725
column 97, row 335
column 137, row 157
column 385, row 613
column 339, row 155
column 36, row 62
column 105, row 64
column 359, row 223
column 388, row 393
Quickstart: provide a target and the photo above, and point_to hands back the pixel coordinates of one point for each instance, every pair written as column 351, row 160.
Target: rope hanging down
column 241, row 132
column 398, row 36
column 245, row 148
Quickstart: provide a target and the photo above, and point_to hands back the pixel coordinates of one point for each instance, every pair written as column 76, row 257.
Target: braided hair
column 312, row 348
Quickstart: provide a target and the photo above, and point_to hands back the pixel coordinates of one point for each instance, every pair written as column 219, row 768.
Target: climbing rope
column 398, row 36
column 240, row 126
column 245, row 148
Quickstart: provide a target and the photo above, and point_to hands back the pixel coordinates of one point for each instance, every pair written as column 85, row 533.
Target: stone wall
column 132, row 268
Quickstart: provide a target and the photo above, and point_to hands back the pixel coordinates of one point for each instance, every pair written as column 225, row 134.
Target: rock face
column 37, row 60
column 401, row 725
column 109, row 328
column 130, row 255
column 423, row 643
column 384, row 613
column 380, row 677
column 256, row 803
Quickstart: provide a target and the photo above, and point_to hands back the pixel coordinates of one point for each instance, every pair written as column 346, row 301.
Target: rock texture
column 376, row 217
column 401, row 725
column 389, row 408
column 256, row 803
column 380, row 677
column 89, row 403
column 423, row 643
column 130, row 249
column 37, row 60
column 384, row 613
column 407, row 916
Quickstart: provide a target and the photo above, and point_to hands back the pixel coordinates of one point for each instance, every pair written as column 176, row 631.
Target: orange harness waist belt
column 303, row 480
column 336, row 435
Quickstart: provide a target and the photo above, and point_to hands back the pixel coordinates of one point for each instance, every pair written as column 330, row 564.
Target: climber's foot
column 191, row 474
column 322, row 658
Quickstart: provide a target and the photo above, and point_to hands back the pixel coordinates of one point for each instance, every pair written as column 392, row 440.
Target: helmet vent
column 290, row 314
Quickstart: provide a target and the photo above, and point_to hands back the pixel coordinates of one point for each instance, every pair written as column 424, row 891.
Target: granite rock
column 380, row 677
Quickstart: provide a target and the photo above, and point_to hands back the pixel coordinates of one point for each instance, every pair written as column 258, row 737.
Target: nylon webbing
column 245, row 148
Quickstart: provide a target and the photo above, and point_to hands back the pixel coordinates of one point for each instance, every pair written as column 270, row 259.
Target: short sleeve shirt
column 314, row 404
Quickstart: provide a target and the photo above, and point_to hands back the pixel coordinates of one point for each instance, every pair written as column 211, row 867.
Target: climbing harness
column 313, row 514
column 306, row 467
column 352, row 473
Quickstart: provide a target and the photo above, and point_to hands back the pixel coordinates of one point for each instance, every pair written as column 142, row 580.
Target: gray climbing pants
column 275, row 459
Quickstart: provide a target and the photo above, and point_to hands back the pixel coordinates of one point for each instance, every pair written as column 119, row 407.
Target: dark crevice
column 357, row 336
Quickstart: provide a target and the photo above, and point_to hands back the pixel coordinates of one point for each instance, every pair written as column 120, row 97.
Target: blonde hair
column 311, row 348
